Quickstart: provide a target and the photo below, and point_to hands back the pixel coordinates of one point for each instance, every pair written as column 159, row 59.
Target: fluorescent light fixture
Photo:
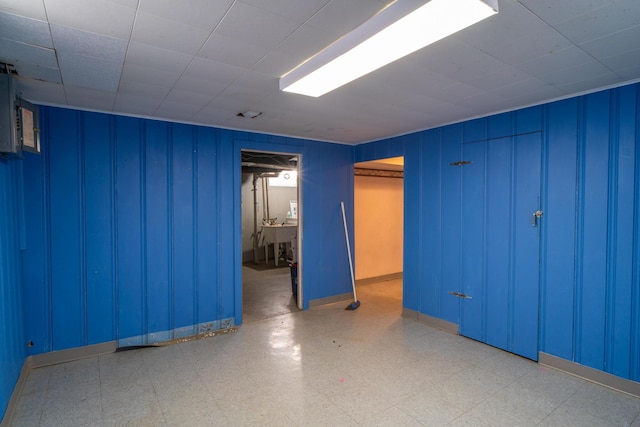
column 396, row 31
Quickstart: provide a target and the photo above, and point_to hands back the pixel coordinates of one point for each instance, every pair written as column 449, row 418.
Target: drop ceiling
column 204, row 61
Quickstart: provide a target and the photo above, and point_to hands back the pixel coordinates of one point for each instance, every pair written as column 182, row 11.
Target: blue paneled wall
column 134, row 225
column 589, row 295
column 12, row 336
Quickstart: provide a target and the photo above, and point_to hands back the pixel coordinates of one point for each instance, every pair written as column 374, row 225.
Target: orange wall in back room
column 378, row 211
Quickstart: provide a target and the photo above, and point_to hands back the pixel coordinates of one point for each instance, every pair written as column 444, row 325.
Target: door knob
column 534, row 219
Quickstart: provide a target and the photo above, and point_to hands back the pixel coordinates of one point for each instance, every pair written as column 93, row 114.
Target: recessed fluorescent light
column 398, row 30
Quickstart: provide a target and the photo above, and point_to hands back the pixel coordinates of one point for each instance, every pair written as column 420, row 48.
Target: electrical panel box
column 19, row 122
column 8, row 142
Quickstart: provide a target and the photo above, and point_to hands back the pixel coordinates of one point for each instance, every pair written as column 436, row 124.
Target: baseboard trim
column 590, row 374
column 15, row 396
column 330, row 300
column 68, row 355
column 434, row 322
column 383, row 278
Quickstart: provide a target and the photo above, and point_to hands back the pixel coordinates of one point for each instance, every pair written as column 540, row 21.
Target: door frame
column 402, row 233
column 238, row 147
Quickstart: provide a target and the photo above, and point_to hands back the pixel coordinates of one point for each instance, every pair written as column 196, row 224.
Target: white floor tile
column 324, row 366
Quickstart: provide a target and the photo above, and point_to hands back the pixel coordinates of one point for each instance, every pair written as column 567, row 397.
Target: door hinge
column 461, row 163
column 459, row 295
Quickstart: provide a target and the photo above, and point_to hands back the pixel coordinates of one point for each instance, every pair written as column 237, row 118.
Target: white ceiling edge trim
column 206, row 125
column 507, row 110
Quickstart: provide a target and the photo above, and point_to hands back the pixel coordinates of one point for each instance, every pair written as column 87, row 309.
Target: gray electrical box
column 19, row 122
column 8, row 141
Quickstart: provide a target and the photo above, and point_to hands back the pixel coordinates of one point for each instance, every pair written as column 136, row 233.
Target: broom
column 355, row 304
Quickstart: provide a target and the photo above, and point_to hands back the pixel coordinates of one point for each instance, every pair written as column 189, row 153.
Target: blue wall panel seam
column 634, row 360
column 194, row 224
column 544, row 186
column 47, row 216
column 142, row 151
column 217, row 228
column 579, row 240
column 83, row 226
column 170, row 219
column 112, row 201
column 612, row 230
column 512, row 235
column 440, row 284
column 484, row 279
column 114, row 221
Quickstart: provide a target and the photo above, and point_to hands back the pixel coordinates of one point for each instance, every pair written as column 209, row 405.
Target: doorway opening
column 379, row 226
column 271, row 215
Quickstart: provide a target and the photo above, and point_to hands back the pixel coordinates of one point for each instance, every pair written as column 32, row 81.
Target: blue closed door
column 501, row 221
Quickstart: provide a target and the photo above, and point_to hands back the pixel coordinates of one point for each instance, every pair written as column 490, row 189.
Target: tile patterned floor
column 324, row 367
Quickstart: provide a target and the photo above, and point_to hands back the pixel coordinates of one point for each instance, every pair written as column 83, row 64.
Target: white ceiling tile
column 27, row 69
column 529, row 92
column 456, row 92
column 176, row 111
column 208, row 77
column 457, row 61
column 209, row 87
column 220, row 108
column 135, row 104
column 73, row 41
column 96, row 16
column 622, row 61
column 305, row 42
column 408, row 74
column 89, row 72
column 562, row 59
column 616, row 44
column 590, row 83
column 25, row 30
column 150, row 75
column 212, row 70
column 203, row 14
column 41, row 92
column 503, row 77
column 156, row 57
column 168, row 34
column 237, row 98
column 255, row 26
column 514, row 35
column 256, row 83
column 576, row 73
column 341, row 16
column 29, row 8
column 276, row 64
column 484, row 103
column 554, row 12
column 127, row 3
column 90, row 98
column 297, row 10
column 606, row 20
column 13, row 51
column 630, row 73
column 198, row 99
column 231, row 51
column 143, row 89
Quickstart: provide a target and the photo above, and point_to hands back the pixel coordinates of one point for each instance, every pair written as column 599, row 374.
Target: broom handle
column 346, row 235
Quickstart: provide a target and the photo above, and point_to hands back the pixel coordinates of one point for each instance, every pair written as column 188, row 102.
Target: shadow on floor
column 266, row 292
